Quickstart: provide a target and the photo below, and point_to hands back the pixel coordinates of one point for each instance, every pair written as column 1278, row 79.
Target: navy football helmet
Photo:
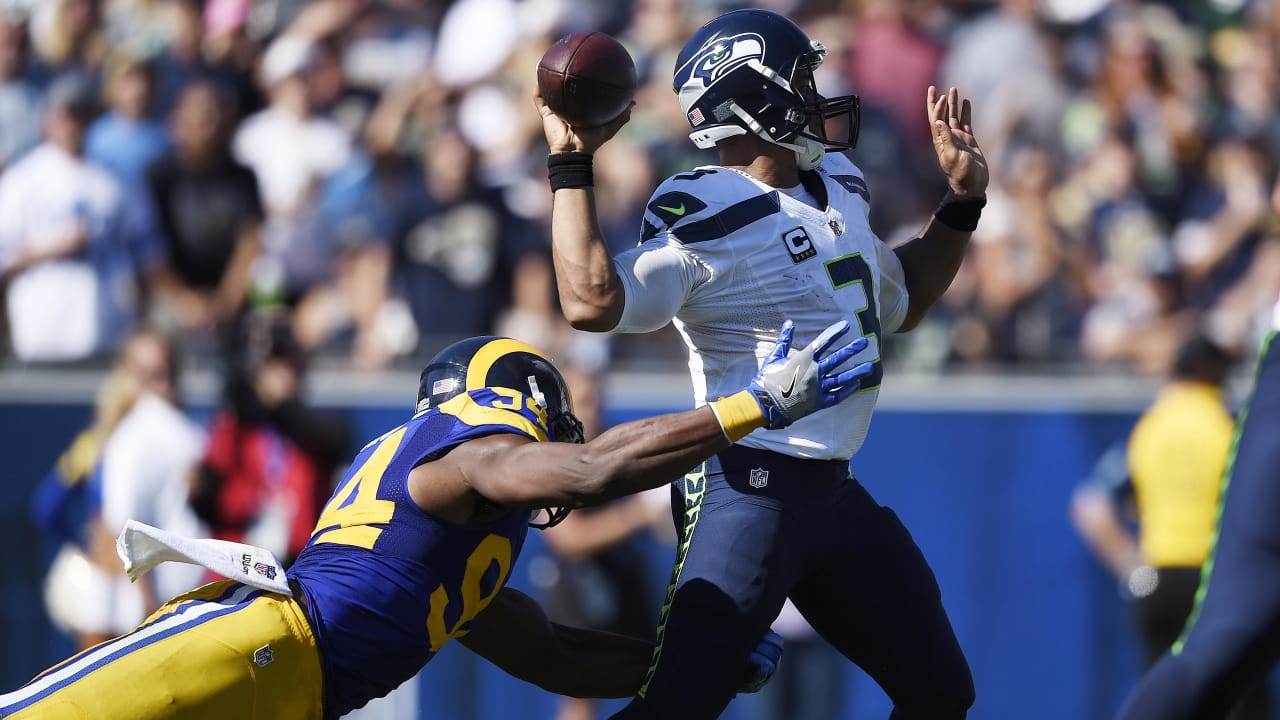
column 489, row 361
column 751, row 71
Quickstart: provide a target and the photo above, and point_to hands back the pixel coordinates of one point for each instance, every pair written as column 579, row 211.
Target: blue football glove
column 764, row 662
column 789, row 388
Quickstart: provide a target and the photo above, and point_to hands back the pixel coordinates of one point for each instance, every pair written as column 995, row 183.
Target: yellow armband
column 738, row 414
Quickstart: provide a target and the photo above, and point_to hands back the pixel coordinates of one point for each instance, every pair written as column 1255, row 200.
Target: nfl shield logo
column 759, row 478
column 263, row 656
column 265, row 569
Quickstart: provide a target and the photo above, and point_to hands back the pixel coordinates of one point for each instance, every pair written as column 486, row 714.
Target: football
column 587, row 78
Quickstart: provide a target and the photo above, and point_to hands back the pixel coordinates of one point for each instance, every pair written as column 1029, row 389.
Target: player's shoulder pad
column 841, row 169
column 704, row 204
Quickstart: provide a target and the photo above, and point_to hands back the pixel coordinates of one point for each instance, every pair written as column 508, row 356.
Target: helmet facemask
column 562, row 426
column 810, row 118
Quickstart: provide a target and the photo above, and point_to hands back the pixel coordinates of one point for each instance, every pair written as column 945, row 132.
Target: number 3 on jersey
column 853, row 270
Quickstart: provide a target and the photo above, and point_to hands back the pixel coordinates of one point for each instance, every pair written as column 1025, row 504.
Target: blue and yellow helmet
column 491, row 361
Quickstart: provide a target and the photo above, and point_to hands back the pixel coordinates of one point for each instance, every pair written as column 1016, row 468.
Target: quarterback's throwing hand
column 959, row 156
column 562, row 137
column 789, row 388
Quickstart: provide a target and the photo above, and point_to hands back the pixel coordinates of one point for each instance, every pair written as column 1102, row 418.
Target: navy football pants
column 1233, row 639
column 758, row 526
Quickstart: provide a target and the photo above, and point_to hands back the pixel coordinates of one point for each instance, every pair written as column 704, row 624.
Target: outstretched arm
column 930, row 262
column 515, row 634
column 511, row 471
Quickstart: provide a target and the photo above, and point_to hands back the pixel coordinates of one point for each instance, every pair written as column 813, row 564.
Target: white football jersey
column 729, row 258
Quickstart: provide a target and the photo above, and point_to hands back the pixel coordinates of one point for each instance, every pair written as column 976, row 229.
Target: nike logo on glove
column 786, row 393
column 677, row 211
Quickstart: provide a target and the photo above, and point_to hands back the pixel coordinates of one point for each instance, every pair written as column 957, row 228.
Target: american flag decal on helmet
column 696, row 117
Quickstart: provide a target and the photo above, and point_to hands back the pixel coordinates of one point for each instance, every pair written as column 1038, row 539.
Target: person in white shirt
column 144, row 476
column 73, row 246
column 141, row 473
column 292, row 151
column 777, row 230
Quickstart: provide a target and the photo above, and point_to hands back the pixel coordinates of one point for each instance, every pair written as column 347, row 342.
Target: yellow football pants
column 225, row 651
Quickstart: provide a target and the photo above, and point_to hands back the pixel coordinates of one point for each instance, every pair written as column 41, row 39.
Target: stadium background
column 1133, row 148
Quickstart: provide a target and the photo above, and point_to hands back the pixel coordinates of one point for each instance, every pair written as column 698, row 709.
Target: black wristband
column 570, row 170
column 959, row 212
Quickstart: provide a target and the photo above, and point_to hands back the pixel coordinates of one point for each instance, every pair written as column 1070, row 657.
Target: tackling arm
column 512, row 471
column 515, row 634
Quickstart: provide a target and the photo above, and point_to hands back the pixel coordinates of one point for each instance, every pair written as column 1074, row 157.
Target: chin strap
column 809, row 152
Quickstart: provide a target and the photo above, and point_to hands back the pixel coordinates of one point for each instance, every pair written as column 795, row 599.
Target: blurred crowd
column 261, row 184
column 373, row 170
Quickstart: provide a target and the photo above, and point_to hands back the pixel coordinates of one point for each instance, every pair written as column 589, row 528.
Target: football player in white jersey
column 778, row 229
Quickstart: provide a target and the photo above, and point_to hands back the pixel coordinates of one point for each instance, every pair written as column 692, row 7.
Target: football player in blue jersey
column 1232, row 640
column 415, row 547
column 778, row 229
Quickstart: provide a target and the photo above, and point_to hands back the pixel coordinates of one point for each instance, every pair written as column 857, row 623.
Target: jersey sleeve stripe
column 648, row 230
column 728, row 221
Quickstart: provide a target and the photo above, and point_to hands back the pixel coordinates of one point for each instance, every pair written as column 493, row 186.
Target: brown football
column 587, row 78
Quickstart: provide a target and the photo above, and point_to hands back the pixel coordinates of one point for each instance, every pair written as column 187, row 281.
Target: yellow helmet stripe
column 489, row 353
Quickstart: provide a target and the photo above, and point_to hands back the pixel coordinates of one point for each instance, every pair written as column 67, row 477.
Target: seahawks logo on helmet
column 725, row 54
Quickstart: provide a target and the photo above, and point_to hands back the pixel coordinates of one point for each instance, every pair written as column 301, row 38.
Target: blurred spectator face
column 584, row 388
column 285, row 67
column 187, row 26
column 325, row 82
column 131, row 91
column 148, row 359
column 65, row 128
column 1030, row 171
column 1127, row 64
column 1112, row 169
column 199, row 122
column 77, row 18
column 12, row 48
column 449, row 162
column 1231, row 160
column 658, row 22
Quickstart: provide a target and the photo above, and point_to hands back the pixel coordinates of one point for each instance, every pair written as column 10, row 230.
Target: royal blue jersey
column 386, row 583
